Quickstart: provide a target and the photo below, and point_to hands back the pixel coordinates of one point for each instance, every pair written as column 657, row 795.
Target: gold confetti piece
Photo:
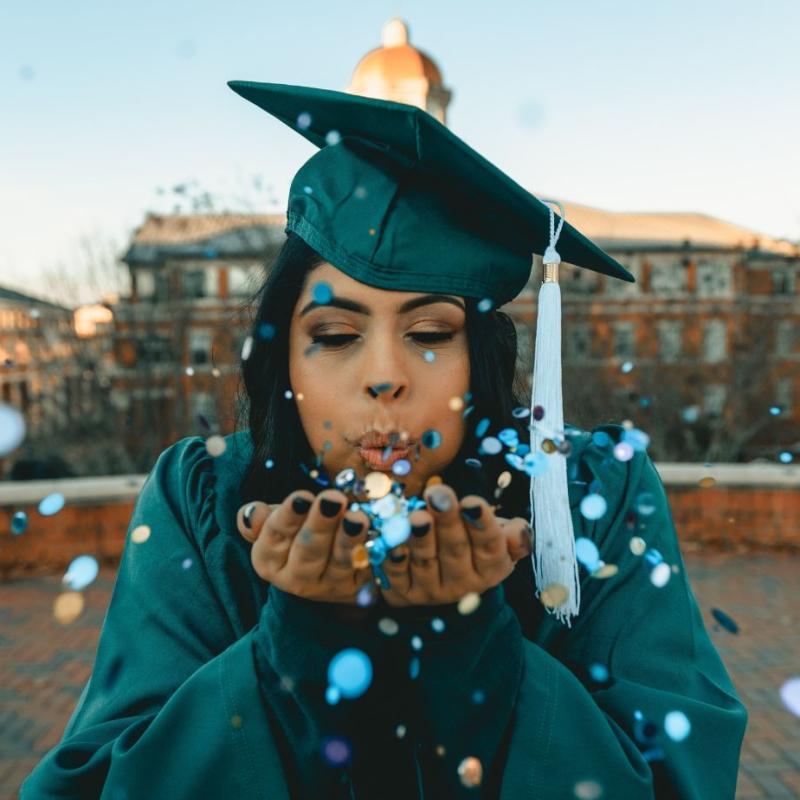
column 300, row 396
column 377, row 485
column 504, row 479
column 470, row 771
column 141, row 533
column 469, row 603
column 456, row 404
column 554, row 595
column 637, row 545
column 433, row 481
column 359, row 557
column 606, row 571
column 236, row 721
column 67, row 607
column 440, row 751
column 215, row 445
column 707, row 482
column 549, row 446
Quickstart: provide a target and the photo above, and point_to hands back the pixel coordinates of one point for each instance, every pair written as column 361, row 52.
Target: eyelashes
column 341, row 339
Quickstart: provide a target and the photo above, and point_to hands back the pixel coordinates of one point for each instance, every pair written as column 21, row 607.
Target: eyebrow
column 409, row 305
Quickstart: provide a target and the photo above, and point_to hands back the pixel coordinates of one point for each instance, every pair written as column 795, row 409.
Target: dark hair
column 274, row 422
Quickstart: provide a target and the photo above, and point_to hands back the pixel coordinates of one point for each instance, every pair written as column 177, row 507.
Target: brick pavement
column 44, row 664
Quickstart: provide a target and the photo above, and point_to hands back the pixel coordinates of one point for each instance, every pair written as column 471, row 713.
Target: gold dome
column 395, row 60
column 398, row 71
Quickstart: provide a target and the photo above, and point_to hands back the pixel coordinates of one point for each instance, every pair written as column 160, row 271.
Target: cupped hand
column 304, row 544
column 457, row 553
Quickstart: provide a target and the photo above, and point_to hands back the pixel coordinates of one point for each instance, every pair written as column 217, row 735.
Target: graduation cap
column 396, row 200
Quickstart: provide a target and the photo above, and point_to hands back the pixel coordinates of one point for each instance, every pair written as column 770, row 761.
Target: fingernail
column 420, row 530
column 247, row 515
column 396, row 557
column 352, row 527
column 329, row 508
column 473, row 512
column 475, row 523
column 300, row 505
column 440, row 501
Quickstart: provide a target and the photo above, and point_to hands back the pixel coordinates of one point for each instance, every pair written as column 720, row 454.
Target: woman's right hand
column 304, row 544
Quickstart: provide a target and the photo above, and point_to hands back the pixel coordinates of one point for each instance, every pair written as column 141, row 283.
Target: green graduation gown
column 208, row 683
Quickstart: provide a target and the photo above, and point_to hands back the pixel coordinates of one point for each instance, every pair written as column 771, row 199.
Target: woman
column 242, row 655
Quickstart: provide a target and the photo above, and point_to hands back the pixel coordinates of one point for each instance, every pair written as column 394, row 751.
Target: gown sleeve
column 665, row 721
column 173, row 706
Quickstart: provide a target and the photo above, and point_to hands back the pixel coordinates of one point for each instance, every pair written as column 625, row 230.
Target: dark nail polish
column 329, row 508
column 473, row 512
column 397, row 557
column 352, row 527
column 474, row 523
column 420, row 530
column 440, row 501
column 300, row 505
column 247, row 515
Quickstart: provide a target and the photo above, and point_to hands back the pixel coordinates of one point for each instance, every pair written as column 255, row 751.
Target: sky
column 691, row 105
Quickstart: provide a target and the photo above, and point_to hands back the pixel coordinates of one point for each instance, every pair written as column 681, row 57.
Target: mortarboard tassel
column 554, row 559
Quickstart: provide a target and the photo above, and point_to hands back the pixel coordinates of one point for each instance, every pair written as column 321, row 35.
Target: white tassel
column 554, row 559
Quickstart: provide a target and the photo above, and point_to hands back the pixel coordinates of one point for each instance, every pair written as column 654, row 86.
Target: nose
column 385, row 370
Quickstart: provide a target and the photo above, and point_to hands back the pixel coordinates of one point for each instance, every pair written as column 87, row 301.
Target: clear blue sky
column 687, row 105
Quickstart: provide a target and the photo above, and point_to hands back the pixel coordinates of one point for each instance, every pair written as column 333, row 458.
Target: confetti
column 80, row 573
column 51, row 504
column 140, row 534
column 470, row 771
column 469, row 603
column 12, row 429
column 554, row 595
column 723, row 619
column 216, row 445
column 350, row 672
column 68, row 607
column 790, row 695
column 677, row 726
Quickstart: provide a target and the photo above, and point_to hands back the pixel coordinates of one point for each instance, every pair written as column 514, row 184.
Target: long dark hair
column 274, row 422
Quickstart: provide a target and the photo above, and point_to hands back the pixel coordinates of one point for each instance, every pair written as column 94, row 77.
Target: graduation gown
column 208, row 683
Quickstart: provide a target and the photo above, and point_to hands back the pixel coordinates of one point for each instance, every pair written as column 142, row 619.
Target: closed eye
column 340, row 339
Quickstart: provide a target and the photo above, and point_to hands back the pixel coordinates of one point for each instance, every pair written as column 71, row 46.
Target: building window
column 715, row 340
column 667, row 276
column 714, row 397
column 616, row 287
column 242, row 280
column 154, row 349
column 785, row 337
column 145, row 284
column 624, row 339
column 714, row 279
column 783, row 280
column 784, row 391
column 203, row 407
column 574, row 280
column 162, row 287
column 200, row 346
column 579, row 341
column 193, row 283
column 670, row 339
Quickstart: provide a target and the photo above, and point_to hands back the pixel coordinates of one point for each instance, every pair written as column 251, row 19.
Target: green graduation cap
column 396, row 200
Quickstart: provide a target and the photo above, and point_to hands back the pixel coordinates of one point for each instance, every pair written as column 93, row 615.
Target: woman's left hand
column 458, row 553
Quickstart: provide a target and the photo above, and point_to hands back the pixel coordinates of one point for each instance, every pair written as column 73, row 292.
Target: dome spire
column 394, row 33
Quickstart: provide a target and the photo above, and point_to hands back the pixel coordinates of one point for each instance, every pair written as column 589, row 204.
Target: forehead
column 343, row 284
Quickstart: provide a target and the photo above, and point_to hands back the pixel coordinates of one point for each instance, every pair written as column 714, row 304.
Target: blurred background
column 143, row 202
